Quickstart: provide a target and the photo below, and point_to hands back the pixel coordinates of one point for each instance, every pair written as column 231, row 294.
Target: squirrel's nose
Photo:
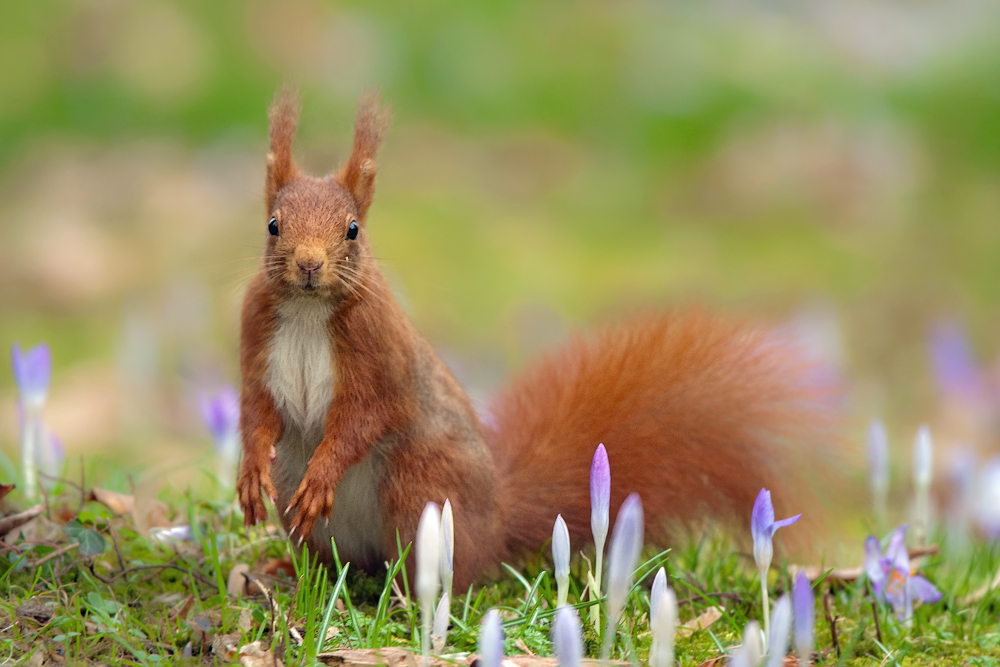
column 310, row 266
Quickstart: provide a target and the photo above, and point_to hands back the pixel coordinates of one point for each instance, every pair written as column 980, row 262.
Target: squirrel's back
column 697, row 415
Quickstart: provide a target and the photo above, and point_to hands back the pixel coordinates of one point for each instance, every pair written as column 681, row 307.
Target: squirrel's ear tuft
column 284, row 116
column 358, row 175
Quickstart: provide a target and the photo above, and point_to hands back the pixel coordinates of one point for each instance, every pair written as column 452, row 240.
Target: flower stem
column 30, row 441
column 767, row 608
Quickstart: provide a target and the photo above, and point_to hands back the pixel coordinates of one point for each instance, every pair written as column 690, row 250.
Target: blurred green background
column 833, row 164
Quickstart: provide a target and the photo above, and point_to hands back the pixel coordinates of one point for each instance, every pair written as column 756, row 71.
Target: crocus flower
column 567, row 637
column 623, row 553
column 32, row 373
column 439, row 628
column 166, row 536
column 762, row 526
column 221, row 414
column 600, row 518
column 428, row 569
column 560, row 558
column 891, row 577
column 922, row 465
column 662, row 623
column 781, row 630
column 988, row 499
column 749, row 652
column 447, row 547
column 878, row 465
column 803, row 611
column 658, row 588
column 491, row 640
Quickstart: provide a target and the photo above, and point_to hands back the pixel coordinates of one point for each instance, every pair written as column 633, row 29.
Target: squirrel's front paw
column 253, row 480
column 314, row 498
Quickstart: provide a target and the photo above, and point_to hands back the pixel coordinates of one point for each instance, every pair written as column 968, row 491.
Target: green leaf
column 92, row 542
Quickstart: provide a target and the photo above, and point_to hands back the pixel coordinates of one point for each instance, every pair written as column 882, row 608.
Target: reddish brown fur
column 697, row 415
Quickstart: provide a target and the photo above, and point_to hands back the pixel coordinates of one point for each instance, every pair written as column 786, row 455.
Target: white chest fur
column 301, row 365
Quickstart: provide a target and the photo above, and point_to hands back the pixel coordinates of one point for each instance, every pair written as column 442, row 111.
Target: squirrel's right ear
column 358, row 175
column 284, row 116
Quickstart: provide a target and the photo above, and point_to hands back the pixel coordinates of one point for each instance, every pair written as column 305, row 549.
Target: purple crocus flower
column 953, row 362
column 762, row 526
column 491, row 640
column 803, row 612
column 600, row 519
column 988, row 499
column 567, row 637
column 221, row 413
column 560, row 559
column 891, row 577
column 623, row 553
column 32, row 373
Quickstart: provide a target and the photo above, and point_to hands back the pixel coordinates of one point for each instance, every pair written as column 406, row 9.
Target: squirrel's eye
column 272, row 227
column 352, row 231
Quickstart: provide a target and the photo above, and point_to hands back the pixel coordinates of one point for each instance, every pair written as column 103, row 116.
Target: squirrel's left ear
column 358, row 175
column 284, row 117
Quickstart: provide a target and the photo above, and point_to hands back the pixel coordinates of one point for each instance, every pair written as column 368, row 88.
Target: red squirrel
column 351, row 423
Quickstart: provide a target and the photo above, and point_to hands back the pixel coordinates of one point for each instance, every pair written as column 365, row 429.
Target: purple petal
column 626, row 546
column 221, row 413
column 896, row 551
column 988, row 499
column 491, row 640
column 803, row 612
column 923, row 590
column 600, row 495
column 785, row 522
column 873, row 564
column 32, row 370
column 567, row 637
column 954, row 367
column 762, row 516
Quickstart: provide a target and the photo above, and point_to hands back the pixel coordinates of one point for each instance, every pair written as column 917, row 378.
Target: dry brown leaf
column 150, row 513
column 255, row 655
column 224, row 646
column 283, row 565
column 119, row 503
column 700, row 622
column 14, row 521
column 237, row 584
column 5, row 489
column 246, row 620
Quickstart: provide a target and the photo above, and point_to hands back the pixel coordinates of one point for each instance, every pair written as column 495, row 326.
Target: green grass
column 133, row 601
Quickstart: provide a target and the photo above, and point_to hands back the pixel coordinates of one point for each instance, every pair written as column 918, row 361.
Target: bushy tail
column 697, row 415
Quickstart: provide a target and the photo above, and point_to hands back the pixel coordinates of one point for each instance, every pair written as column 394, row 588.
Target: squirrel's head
column 317, row 244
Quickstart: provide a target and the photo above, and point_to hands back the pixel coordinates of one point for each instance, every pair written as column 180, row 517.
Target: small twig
column 878, row 627
column 83, row 486
column 55, row 554
column 114, row 541
column 833, row 624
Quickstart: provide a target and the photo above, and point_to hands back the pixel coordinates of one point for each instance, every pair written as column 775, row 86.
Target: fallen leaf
column 5, row 489
column 700, row 622
column 237, row 584
column 224, row 646
column 255, row 655
column 39, row 613
column 246, row 620
column 14, row 521
column 119, row 503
